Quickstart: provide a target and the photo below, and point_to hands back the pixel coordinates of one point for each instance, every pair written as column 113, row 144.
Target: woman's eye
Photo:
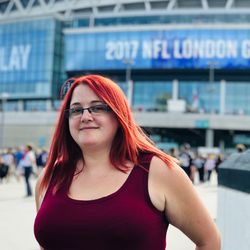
column 97, row 108
column 76, row 110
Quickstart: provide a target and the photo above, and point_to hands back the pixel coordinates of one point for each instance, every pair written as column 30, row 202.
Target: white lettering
column 109, row 50
column 146, row 50
column 156, row 48
column 164, row 53
column 198, row 49
column 220, row 49
column 160, row 49
column 121, row 50
column 232, row 47
column 17, row 60
column 187, row 49
column 177, row 49
column 205, row 49
column 245, row 52
column 209, row 49
column 25, row 53
column 15, row 63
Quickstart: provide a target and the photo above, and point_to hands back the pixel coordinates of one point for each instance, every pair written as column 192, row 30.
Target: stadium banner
column 194, row 49
column 26, row 51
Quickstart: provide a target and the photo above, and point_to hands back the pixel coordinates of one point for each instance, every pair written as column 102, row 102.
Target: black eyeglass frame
column 90, row 110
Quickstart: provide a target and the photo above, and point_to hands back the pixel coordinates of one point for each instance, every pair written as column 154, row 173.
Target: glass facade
column 158, row 19
column 29, row 60
column 237, row 98
column 35, row 58
column 200, row 97
column 149, row 96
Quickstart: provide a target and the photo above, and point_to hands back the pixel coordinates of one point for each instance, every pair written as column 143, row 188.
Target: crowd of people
column 200, row 164
column 28, row 160
column 193, row 161
column 22, row 161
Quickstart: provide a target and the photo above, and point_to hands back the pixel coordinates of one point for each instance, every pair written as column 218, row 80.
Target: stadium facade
column 184, row 65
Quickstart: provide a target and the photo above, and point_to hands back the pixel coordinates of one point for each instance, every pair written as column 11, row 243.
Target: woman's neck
column 97, row 160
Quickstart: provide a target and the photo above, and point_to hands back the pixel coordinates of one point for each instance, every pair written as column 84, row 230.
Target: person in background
column 3, row 169
column 8, row 159
column 18, row 156
column 186, row 159
column 106, row 185
column 41, row 160
column 174, row 152
column 240, row 148
column 210, row 165
column 199, row 162
column 27, row 163
column 218, row 161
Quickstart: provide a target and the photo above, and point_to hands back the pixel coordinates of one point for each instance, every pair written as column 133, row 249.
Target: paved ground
column 17, row 216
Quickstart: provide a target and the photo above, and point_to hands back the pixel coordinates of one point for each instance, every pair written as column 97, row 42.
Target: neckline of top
column 103, row 198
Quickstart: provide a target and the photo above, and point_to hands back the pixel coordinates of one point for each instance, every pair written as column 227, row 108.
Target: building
column 184, row 65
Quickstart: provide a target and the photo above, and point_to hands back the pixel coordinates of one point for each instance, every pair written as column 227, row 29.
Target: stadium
column 184, row 65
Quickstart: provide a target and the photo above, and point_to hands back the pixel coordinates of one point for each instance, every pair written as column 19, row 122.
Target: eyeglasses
column 66, row 86
column 93, row 110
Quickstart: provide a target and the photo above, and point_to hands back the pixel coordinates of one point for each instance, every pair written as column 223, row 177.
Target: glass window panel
column 151, row 96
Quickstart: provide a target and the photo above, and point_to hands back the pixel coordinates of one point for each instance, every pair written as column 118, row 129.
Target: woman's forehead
column 83, row 92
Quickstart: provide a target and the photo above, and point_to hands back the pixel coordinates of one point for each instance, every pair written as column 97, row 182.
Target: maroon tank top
column 124, row 220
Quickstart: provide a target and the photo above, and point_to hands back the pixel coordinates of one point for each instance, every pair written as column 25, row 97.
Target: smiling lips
column 87, row 128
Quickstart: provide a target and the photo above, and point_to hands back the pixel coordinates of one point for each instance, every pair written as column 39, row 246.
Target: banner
column 158, row 49
column 26, row 51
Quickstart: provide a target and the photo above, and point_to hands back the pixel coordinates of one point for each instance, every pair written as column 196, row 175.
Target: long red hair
column 129, row 141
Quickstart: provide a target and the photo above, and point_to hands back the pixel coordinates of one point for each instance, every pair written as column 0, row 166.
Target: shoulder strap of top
column 145, row 159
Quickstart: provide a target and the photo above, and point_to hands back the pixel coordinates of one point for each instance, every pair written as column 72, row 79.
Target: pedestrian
column 199, row 162
column 27, row 163
column 9, row 161
column 186, row 159
column 3, row 169
column 240, row 148
column 210, row 165
column 18, row 155
column 41, row 160
column 173, row 152
column 106, row 186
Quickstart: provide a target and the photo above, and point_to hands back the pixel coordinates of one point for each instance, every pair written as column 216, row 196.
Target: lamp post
column 211, row 88
column 129, row 63
column 3, row 97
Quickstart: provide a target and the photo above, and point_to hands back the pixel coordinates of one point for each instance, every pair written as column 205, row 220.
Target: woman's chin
column 89, row 143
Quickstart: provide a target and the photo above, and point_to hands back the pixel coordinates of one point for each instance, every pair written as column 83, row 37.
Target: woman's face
column 95, row 127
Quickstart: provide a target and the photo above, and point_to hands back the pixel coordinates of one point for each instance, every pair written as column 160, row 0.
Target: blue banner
column 194, row 48
column 26, row 51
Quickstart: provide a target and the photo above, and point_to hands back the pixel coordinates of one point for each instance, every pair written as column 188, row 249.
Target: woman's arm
column 176, row 195
column 39, row 196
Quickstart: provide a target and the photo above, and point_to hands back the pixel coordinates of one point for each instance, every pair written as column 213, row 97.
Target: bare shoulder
column 39, row 195
column 171, row 191
column 167, row 177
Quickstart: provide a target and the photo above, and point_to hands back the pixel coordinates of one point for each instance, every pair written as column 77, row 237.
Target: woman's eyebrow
column 91, row 103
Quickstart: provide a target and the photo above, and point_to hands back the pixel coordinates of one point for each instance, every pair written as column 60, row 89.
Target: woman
column 106, row 186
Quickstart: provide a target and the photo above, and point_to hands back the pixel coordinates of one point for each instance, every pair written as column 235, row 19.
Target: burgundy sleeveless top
column 124, row 220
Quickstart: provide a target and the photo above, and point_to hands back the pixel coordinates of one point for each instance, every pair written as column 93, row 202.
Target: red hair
column 129, row 140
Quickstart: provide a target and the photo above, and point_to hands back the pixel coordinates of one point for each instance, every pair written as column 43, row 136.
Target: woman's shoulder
column 167, row 179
